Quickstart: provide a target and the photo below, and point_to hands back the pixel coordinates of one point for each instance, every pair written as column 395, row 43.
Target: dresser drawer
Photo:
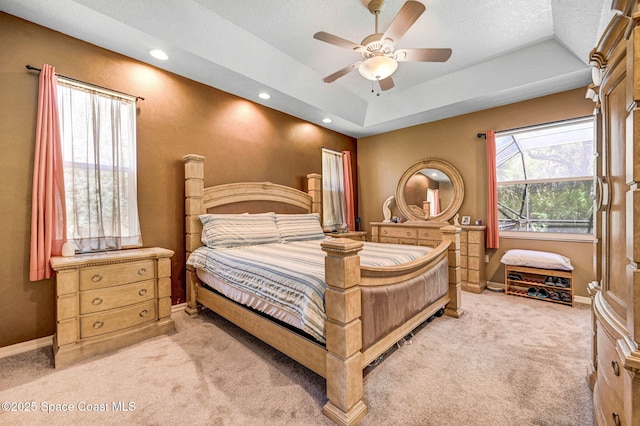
column 609, row 364
column 399, row 232
column 110, row 275
column 117, row 319
column 388, row 240
column 115, row 297
column 608, row 407
column 429, row 234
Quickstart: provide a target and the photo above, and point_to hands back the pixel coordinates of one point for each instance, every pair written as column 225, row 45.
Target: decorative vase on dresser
column 614, row 371
column 109, row 300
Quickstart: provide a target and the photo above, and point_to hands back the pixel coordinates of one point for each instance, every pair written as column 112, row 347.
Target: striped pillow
column 232, row 230
column 299, row 227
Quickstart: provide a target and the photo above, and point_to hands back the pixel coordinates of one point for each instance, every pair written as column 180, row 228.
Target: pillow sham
column 537, row 259
column 233, row 230
column 299, row 227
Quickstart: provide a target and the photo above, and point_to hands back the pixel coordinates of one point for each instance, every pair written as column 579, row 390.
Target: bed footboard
column 343, row 307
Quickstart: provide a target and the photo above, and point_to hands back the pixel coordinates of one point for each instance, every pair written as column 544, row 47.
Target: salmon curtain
column 48, row 229
column 493, row 236
column 436, row 202
column 348, row 190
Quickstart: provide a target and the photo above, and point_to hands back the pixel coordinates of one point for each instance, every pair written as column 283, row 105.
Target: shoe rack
column 549, row 285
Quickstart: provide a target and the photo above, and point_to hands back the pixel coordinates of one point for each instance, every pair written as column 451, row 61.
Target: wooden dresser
column 472, row 265
column 614, row 371
column 109, row 300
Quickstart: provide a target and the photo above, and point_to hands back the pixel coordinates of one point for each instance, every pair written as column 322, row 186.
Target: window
column 333, row 205
column 98, row 133
column 545, row 178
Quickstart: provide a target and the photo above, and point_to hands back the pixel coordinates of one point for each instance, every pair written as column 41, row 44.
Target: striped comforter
column 291, row 275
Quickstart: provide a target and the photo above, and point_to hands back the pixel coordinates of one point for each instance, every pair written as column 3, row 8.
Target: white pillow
column 537, row 259
column 299, row 227
column 232, row 230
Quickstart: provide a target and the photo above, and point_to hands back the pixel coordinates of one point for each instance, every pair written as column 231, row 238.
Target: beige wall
column 382, row 159
column 240, row 139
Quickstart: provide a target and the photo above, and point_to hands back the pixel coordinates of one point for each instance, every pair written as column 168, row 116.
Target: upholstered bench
column 538, row 275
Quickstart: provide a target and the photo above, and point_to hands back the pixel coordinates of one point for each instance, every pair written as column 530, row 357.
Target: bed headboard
column 240, row 198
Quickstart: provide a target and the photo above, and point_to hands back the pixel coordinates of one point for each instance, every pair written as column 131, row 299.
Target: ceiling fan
column 379, row 57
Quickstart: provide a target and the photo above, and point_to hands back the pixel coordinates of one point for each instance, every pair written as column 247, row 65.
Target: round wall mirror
column 430, row 190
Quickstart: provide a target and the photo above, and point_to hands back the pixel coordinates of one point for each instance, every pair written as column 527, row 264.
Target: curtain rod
column 332, row 150
column 29, row 67
column 551, row 123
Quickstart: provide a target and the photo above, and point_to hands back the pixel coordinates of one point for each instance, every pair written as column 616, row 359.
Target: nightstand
column 109, row 300
column 353, row 235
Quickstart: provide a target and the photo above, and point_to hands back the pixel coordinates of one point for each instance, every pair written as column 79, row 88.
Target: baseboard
column 27, row 346
column 582, row 300
column 43, row 342
column 178, row 308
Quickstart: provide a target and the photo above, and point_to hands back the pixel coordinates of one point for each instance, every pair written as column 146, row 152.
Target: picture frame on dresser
column 466, row 221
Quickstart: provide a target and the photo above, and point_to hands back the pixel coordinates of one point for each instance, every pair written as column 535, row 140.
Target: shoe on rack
column 549, row 281
column 565, row 297
column 542, row 293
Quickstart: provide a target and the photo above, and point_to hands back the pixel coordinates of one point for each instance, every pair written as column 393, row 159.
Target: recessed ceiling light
column 158, row 54
column 326, row 120
column 264, row 95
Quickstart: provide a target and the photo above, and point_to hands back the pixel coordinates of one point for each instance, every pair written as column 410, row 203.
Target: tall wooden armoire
column 615, row 366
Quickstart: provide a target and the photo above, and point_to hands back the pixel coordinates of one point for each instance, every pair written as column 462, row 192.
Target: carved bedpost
column 343, row 332
column 314, row 189
column 193, row 207
column 452, row 233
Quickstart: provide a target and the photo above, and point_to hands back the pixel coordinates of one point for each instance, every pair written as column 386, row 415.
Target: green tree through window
column 545, row 178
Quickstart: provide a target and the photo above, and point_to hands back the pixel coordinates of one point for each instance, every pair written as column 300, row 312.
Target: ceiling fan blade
column 386, row 83
column 344, row 71
column 409, row 14
column 338, row 41
column 423, row 55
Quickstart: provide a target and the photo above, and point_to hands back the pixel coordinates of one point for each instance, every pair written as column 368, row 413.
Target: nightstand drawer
column 116, row 297
column 117, row 319
column 110, row 275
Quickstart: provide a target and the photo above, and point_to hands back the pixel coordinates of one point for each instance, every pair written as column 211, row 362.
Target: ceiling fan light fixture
column 378, row 67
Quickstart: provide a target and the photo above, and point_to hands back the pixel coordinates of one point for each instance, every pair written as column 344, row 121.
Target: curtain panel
column 48, row 228
column 98, row 133
column 347, row 172
column 493, row 235
column 333, row 206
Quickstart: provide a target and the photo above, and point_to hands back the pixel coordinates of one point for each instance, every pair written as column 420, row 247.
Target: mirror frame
column 446, row 168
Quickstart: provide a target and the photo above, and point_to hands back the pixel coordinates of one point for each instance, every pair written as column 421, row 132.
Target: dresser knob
column 98, row 324
column 384, row 232
column 96, row 301
column 142, row 271
column 96, row 278
column 142, row 292
column 408, row 234
column 144, row 313
column 616, row 368
column 616, row 418
column 426, row 234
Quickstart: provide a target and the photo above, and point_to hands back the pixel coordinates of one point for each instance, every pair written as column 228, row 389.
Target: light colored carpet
column 507, row 361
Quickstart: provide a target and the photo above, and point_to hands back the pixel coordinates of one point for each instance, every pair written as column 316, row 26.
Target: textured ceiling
column 503, row 51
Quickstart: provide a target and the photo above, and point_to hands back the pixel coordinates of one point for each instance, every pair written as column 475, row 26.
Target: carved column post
column 452, row 233
column 193, row 207
column 343, row 332
column 314, row 189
